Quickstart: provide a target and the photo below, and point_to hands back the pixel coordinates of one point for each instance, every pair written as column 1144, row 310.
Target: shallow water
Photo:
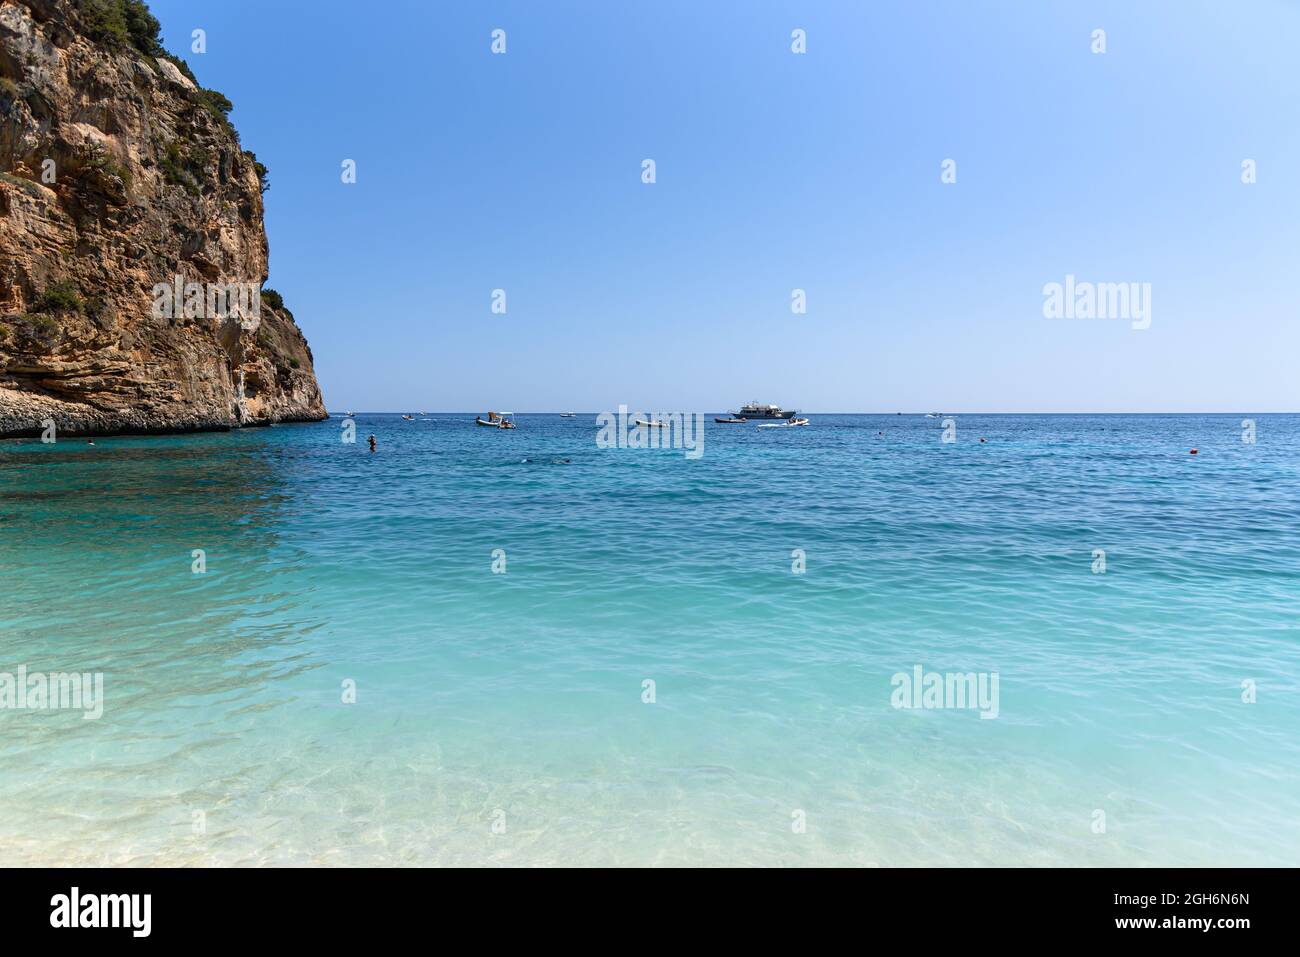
column 499, row 717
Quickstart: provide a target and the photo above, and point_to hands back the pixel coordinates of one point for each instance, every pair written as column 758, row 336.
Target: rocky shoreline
column 24, row 415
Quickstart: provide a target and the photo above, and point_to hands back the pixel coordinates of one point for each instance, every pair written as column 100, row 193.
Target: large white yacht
column 752, row 410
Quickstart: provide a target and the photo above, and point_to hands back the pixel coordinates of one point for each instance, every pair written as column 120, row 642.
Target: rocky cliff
column 118, row 174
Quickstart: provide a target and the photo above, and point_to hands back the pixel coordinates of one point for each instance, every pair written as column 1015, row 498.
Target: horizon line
column 809, row 412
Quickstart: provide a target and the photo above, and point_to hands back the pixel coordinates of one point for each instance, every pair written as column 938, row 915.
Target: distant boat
column 728, row 421
column 497, row 420
column 568, row 415
column 409, row 418
column 752, row 410
column 651, row 425
column 784, row 425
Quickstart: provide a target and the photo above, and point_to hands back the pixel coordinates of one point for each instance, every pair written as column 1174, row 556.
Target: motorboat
column 497, row 420
column 752, row 410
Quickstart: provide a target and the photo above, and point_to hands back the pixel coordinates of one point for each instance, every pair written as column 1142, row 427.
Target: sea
column 880, row 640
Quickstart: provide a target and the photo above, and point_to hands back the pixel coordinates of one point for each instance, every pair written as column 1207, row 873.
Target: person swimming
column 372, row 443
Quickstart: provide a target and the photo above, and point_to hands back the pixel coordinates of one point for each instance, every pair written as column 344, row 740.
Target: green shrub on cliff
column 276, row 301
column 58, row 298
column 104, row 21
column 108, row 165
column 172, row 164
column 262, row 171
column 119, row 24
column 142, row 26
column 217, row 104
column 39, row 328
column 181, row 167
column 35, row 330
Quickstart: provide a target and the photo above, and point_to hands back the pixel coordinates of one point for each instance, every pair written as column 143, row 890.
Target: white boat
column 568, row 415
column 497, row 420
column 651, row 425
column 784, row 425
column 752, row 410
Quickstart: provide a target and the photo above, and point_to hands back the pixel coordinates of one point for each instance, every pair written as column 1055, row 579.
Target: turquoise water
column 499, row 717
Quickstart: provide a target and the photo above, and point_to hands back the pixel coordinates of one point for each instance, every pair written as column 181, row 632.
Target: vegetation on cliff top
column 128, row 24
column 122, row 24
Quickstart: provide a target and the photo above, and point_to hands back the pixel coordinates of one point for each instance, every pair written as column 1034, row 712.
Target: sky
column 774, row 171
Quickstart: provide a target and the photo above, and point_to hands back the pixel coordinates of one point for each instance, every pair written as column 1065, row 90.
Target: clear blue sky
column 775, row 172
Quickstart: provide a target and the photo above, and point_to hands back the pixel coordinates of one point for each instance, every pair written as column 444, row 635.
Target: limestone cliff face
column 118, row 174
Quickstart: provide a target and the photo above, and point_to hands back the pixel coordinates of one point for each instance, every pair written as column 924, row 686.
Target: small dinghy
column 568, row 415
column 651, row 425
column 497, row 420
column 728, row 420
